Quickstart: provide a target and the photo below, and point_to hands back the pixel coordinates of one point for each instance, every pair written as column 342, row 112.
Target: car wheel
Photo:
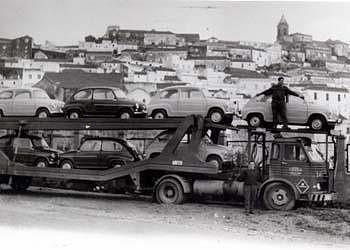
column 317, row 123
column 255, row 120
column 278, row 196
column 159, row 114
column 125, row 114
column 20, row 183
column 74, row 114
column 215, row 160
column 66, row 164
column 41, row 163
column 42, row 113
column 216, row 115
column 169, row 191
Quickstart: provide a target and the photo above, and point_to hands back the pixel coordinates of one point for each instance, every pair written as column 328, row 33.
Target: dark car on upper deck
column 103, row 102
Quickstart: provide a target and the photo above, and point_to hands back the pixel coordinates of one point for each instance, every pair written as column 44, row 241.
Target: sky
column 65, row 22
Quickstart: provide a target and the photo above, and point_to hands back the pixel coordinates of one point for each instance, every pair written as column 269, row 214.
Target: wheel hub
column 169, row 192
column 125, row 116
column 255, row 121
column 42, row 115
column 280, row 197
column 41, row 164
column 159, row 116
column 316, row 124
column 74, row 115
column 216, row 117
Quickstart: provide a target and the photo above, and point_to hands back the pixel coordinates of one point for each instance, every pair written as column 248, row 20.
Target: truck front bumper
column 322, row 197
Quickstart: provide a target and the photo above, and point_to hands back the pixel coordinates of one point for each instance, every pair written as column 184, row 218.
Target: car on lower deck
column 180, row 101
column 103, row 102
column 100, row 153
column 219, row 155
column 29, row 102
column 30, row 150
column 257, row 112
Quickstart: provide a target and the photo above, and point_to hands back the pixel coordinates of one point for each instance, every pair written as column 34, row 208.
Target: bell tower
column 282, row 29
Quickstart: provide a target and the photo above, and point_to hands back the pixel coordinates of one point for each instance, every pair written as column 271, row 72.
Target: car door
column 23, row 104
column 104, row 102
column 297, row 111
column 23, row 150
column 192, row 101
column 113, row 153
column 88, row 155
column 83, row 99
column 169, row 99
column 6, row 102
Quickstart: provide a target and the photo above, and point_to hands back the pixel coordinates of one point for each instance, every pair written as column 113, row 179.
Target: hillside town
column 143, row 61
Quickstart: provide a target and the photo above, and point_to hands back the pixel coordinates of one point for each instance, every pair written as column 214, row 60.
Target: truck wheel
column 255, row 120
column 214, row 159
column 216, row 115
column 20, row 183
column 278, row 196
column 169, row 191
column 41, row 163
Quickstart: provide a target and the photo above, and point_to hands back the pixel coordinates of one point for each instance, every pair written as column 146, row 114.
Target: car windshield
column 39, row 143
column 314, row 153
column 119, row 93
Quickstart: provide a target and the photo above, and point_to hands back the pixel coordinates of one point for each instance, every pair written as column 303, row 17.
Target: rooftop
column 243, row 73
column 75, row 79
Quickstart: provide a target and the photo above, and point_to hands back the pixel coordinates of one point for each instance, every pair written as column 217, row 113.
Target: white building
column 243, row 64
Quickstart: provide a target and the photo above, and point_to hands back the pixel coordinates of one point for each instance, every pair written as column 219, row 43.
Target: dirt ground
column 59, row 210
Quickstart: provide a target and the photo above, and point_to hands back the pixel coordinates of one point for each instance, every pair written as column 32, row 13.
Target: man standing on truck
column 251, row 178
column 279, row 93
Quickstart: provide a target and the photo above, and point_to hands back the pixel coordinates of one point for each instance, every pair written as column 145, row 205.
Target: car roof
column 100, row 87
column 22, row 136
column 180, row 87
column 20, row 88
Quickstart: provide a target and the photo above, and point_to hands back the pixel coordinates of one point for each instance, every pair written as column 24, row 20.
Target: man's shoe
column 246, row 213
column 251, row 212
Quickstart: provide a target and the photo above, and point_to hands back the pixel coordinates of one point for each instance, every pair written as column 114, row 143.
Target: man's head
column 251, row 165
column 280, row 80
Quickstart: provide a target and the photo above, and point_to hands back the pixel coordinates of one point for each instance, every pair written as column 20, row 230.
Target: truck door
column 295, row 166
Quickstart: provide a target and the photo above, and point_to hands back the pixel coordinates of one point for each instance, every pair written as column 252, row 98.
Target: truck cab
column 295, row 170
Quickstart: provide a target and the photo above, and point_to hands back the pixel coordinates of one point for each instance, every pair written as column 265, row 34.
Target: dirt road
column 58, row 213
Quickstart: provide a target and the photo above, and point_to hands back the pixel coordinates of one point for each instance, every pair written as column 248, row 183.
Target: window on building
column 315, row 96
column 339, row 98
column 39, row 76
column 327, row 97
column 348, row 130
column 30, row 76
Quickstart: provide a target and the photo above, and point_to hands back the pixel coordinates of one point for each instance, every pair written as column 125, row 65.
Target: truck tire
column 20, row 183
column 216, row 115
column 278, row 196
column 317, row 122
column 169, row 191
column 255, row 120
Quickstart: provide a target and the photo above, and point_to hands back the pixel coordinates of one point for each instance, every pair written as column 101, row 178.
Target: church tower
column 282, row 29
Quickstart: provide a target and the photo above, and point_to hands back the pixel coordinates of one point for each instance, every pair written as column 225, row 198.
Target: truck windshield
column 314, row 153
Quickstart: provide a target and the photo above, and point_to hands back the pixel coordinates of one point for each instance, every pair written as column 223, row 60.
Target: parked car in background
column 100, row 153
column 30, row 150
column 28, row 102
column 257, row 112
column 181, row 101
column 219, row 155
column 103, row 101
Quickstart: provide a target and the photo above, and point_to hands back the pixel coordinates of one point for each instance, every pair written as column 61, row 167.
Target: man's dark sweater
column 250, row 176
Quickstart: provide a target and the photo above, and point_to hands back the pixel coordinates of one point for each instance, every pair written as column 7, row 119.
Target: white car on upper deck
column 179, row 101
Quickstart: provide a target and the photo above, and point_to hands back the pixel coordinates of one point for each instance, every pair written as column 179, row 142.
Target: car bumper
column 140, row 114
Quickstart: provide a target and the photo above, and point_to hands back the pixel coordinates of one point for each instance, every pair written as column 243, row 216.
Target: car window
column 293, row 152
column 5, row 140
column 112, row 146
column 40, row 143
column 275, row 152
column 6, row 95
column 103, row 94
column 119, row 93
column 40, row 94
column 83, row 95
column 195, row 94
column 22, row 94
column 22, row 143
column 169, row 94
column 91, row 145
